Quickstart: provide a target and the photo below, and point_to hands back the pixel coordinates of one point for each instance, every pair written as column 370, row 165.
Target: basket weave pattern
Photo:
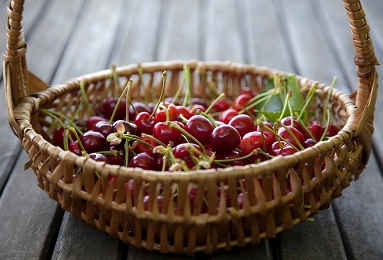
column 176, row 224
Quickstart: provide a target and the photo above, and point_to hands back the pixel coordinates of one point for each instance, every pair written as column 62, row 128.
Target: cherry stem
column 180, row 87
column 326, row 124
column 198, row 111
column 73, row 130
column 153, row 139
column 161, row 96
column 310, row 96
column 329, row 93
column 293, row 136
column 85, row 97
column 119, row 100
column 142, row 83
column 55, row 115
column 214, row 102
column 254, row 152
column 285, row 105
column 114, row 77
column 188, row 85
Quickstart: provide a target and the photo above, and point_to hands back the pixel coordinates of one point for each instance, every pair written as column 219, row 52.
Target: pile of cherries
column 177, row 137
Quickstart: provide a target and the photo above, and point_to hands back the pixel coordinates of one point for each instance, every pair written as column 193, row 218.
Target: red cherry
column 75, row 148
column 200, row 127
column 138, row 108
column 93, row 120
column 270, row 135
column 292, row 121
column 283, row 132
column 221, row 105
column 58, row 137
column 98, row 157
column 118, row 159
column 316, row 129
column 243, row 123
column 181, row 151
column 166, row 134
column 332, row 130
column 104, row 128
column 93, row 141
column 108, row 107
column 254, row 140
column 144, row 124
column 281, row 148
column 143, row 161
column 184, row 111
column 309, row 142
column 241, row 102
column 140, row 147
column 227, row 115
column 224, row 139
column 232, row 155
column 160, row 115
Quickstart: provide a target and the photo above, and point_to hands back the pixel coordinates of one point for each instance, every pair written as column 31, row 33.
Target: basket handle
column 20, row 83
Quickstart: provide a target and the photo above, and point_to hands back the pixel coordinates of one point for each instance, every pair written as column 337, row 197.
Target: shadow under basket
column 198, row 210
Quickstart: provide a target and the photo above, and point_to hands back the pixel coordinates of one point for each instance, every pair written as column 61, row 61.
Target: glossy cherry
column 289, row 132
column 144, row 123
column 93, row 141
column 227, row 115
column 93, row 120
column 224, row 139
column 182, row 152
column 243, row 123
column 143, row 161
column 104, row 128
column 254, row 140
column 167, row 134
column 200, row 127
column 281, row 148
column 241, row 102
column 109, row 105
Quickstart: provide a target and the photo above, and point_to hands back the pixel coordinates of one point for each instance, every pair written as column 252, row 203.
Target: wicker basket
column 268, row 207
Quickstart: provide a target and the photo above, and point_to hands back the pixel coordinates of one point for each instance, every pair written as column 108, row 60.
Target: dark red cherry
column 182, row 152
column 128, row 127
column 166, row 134
column 138, row 108
column 58, row 137
column 93, row 120
column 292, row 121
column 254, row 140
column 281, row 148
column 184, row 111
column 316, row 130
column 93, row 141
column 221, row 105
column 98, row 157
column 143, row 161
column 144, row 124
column 270, row 135
column 104, row 128
column 116, row 159
column 140, row 147
column 332, row 130
column 241, row 102
column 200, row 127
column 74, row 147
column 288, row 133
column 243, row 123
column 109, row 104
column 224, row 139
column 227, row 115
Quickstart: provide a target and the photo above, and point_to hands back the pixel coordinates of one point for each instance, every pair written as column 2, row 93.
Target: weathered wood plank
column 28, row 219
column 91, row 41
column 77, row 240
column 137, row 35
column 266, row 43
column 50, row 38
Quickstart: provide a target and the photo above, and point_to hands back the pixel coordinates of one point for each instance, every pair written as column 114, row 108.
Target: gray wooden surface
column 74, row 37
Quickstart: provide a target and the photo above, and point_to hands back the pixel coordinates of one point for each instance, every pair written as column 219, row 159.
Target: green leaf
column 297, row 100
column 272, row 104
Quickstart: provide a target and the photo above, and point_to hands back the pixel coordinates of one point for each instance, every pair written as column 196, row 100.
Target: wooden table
column 74, row 37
